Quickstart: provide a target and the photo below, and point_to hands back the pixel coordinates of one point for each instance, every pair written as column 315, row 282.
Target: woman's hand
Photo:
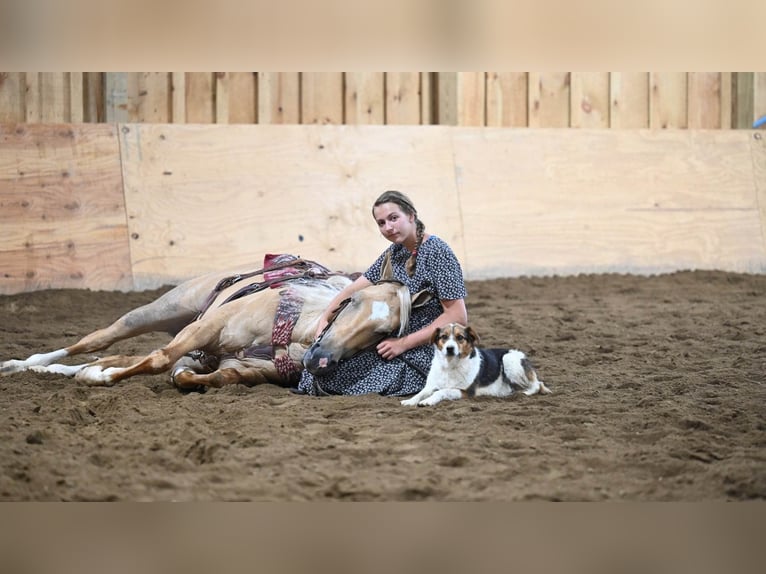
column 391, row 348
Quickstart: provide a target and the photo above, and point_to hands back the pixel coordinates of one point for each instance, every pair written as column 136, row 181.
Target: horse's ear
column 421, row 298
column 387, row 271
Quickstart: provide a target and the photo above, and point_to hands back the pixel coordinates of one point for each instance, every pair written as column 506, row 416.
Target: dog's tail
column 522, row 375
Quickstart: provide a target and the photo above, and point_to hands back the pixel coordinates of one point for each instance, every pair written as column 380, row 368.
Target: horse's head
column 360, row 322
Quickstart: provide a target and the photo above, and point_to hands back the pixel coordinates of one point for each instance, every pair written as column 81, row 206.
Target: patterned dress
column 438, row 271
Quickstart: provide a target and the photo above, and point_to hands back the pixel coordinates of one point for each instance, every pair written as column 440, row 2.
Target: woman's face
column 394, row 224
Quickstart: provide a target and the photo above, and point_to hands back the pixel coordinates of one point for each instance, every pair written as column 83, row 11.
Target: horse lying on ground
column 225, row 333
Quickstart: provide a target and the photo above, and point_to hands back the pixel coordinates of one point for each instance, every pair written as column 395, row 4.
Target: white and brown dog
column 460, row 368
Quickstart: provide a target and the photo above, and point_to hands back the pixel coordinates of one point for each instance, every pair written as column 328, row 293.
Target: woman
column 399, row 366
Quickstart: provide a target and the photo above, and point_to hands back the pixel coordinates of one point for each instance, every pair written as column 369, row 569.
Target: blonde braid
column 420, row 230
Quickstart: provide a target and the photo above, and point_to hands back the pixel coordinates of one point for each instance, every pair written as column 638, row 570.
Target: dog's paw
column 409, row 402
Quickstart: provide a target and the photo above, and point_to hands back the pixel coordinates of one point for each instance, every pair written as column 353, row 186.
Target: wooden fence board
column 507, row 103
column 117, row 97
column 200, row 97
column 365, row 98
column 549, row 100
column 471, row 90
column 279, row 98
column 704, row 100
column 62, row 213
column 759, row 96
column 243, row 87
column 403, row 95
column 629, row 100
column 32, row 103
column 196, row 200
column 565, row 201
column 322, row 98
column 668, row 103
column 178, row 97
column 152, row 94
column 590, row 100
column 12, row 97
column 76, row 97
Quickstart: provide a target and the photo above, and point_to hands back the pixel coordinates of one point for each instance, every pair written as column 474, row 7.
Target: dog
column 460, row 368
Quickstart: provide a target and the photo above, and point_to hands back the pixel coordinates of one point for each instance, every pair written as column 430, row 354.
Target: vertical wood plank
column 116, row 97
column 590, row 100
column 54, row 97
column 322, row 98
column 32, row 105
column 200, row 98
column 221, row 97
column 427, row 98
column 507, row 99
column 742, row 100
column 152, row 97
column 242, row 97
column 759, row 96
column 471, row 99
column 629, row 100
column 549, row 99
column 12, row 89
column 178, row 97
column 668, row 103
column 403, row 95
column 279, row 98
column 364, row 98
column 447, row 98
column 76, row 97
column 704, row 100
column 93, row 97
column 726, row 100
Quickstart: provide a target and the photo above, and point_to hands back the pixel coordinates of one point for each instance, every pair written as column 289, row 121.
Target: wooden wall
column 133, row 206
column 624, row 100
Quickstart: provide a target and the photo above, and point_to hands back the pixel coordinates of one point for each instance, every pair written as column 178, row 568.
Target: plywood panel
column 365, row 98
column 403, row 93
column 62, row 214
column 590, row 100
column 668, row 100
column 549, row 99
column 279, row 98
column 629, row 100
column 565, row 201
column 507, row 99
column 322, row 98
column 196, row 200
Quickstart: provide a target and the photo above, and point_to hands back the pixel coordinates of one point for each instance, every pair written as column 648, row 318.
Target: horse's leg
column 72, row 370
column 197, row 335
column 169, row 313
column 248, row 371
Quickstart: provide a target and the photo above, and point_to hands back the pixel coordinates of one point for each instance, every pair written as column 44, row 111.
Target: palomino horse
column 226, row 333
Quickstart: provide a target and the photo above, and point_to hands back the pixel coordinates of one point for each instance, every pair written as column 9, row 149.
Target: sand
column 658, row 396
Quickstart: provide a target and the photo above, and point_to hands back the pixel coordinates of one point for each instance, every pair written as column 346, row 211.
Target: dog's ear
column 435, row 335
column 473, row 336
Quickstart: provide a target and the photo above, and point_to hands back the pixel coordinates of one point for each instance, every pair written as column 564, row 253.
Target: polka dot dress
column 437, row 271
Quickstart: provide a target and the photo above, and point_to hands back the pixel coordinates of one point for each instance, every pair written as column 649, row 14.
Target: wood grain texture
column 507, row 103
column 629, row 100
column 211, row 197
column 565, row 201
column 62, row 212
column 549, row 99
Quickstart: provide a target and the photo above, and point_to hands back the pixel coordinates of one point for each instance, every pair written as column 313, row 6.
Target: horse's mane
column 405, row 307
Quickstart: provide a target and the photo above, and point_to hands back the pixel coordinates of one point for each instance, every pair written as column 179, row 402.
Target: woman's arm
column 360, row 283
column 454, row 311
